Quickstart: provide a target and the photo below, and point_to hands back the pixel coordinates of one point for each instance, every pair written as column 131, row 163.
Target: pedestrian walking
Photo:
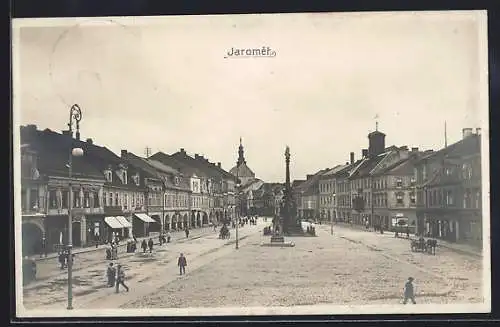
column 187, row 232
column 120, row 279
column 111, row 274
column 409, row 292
column 144, row 246
column 407, row 232
column 182, row 263
column 150, row 245
column 160, row 239
column 168, row 237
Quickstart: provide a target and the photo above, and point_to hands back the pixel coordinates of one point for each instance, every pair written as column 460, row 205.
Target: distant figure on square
column 187, row 232
column 144, row 246
column 182, row 263
column 409, row 292
column 168, row 237
column 120, row 279
column 111, row 274
column 150, row 245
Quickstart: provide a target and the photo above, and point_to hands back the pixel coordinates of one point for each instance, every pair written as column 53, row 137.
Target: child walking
column 409, row 294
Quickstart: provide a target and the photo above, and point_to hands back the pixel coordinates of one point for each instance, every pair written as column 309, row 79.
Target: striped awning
column 113, row 222
column 125, row 223
column 145, row 218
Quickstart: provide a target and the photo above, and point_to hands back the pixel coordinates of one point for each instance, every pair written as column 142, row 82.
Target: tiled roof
column 308, row 186
column 203, row 165
column 366, row 166
column 465, row 146
column 168, row 175
column 177, row 164
column 53, row 154
column 140, row 164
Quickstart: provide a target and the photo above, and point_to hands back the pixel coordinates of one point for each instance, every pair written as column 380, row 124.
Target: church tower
column 241, row 170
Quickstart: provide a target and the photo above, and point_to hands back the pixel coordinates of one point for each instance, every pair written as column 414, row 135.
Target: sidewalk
column 457, row 247
column 123, row 244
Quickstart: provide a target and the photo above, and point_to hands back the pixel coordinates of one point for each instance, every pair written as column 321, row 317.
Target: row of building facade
column 433, row 193
column 121, row 195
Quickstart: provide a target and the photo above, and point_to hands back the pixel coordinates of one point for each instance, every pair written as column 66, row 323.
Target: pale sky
column 164, row 83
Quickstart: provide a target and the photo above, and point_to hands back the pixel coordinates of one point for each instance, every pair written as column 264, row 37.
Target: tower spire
column 376, row 122
column 241, row 154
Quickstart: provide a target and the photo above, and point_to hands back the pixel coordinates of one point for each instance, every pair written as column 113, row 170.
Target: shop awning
column 113, row 222
column 145, row 218
column 125, row 223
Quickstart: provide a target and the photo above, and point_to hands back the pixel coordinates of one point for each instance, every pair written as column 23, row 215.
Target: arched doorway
column 76, row 231
column 205, row 219
column 32, row 237
column 198, row 219
column 193, row 220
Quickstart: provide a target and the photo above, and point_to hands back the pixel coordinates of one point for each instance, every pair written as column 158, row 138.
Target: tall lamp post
column 75, row 115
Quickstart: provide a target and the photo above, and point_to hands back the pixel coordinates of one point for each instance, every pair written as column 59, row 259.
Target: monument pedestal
column 278, row 241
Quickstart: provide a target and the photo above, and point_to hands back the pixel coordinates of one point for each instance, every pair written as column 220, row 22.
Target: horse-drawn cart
column 422, row 245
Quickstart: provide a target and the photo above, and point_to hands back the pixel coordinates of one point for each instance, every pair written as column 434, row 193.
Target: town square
column 145, row 180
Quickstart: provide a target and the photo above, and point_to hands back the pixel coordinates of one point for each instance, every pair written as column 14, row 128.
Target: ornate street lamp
column 75, row 115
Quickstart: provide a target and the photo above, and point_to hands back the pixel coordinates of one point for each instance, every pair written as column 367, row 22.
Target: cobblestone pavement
column 144, row 272
column 350, row 267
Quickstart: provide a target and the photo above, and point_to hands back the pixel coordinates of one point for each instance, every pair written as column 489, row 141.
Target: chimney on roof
column 218, row 164
column 308, row 177
column 466, row 132
column 347, row 162
column 31, row 128
column 404, row 148
column 89, row 141
column 196, row 156
column 183, row 151
column 123, row 153
column 352, row 157
column 478, row 131
column 364, row 153
column 414, row 149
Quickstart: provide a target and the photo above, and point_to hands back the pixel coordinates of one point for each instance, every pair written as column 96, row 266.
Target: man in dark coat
column 111, row 274
column 182, row 263
column 144, row 246
column 150, row 245
column 120, row 279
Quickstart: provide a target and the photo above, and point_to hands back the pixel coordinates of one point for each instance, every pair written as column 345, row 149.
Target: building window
column 124, row 176
column 105, row 198
column 96, row 200
column 399, row 182
column 399, row 199
column 76, row 200
column 413, row 200
column 478, row 199
column 65, row 199
column 52, row 199
column 108, row 175
column 117, row 199
column 449, row 198
column 126, row 201
column 86, row 199
column 412, row 181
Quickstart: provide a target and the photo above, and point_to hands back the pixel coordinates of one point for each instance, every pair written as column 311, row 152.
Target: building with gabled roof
column 449, row 191
column 307, row 196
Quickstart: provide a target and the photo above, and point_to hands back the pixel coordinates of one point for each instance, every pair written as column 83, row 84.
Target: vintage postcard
column 259, row 164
